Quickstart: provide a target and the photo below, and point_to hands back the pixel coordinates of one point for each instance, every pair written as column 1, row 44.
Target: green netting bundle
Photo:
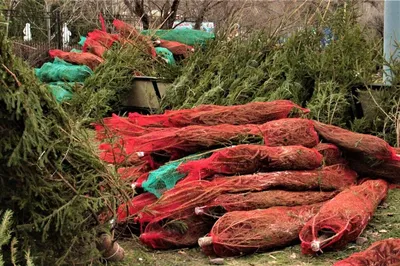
column 82, row 41
column 166, row 177
column 63, row 91
column 60, row 70
column 166, row 54
column 186, row 36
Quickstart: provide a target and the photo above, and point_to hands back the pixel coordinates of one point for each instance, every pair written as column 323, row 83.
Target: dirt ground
column 385, row 224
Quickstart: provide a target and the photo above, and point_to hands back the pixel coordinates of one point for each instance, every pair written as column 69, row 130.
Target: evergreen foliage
column 107, row 87
column 307, row 68
column 50, row 175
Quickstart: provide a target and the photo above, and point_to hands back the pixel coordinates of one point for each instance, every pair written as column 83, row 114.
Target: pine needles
column 108, row 86
column 50, row 176
column 312, row 67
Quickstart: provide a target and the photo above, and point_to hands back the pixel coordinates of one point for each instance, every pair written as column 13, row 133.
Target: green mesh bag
column 165, row 177
column 63, row 91
column 166, row 54
column 186, row 36
column 60, row 70
column 82, row 41
column 59, row 92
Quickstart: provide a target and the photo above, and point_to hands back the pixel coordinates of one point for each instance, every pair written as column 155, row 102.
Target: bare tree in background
column 142, row 9
column 10, row 6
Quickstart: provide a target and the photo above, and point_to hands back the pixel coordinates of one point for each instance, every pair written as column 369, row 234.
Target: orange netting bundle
column 247, row 159
column 384, row 253
column 262, row 200
column 246, row 232
column 192, row 139
column 128, row 211
column 336, row 177
column 129, row 32
column 362, row 144
column 116, row 126
column 388, row 169
column 175, row 233
column 177, row 48
column 94, row 47
column 87, row 59
column 342, row 219
column 251, row 113
column 331, row 153
column 104, row 38
column 133, row 173
column 183, row 199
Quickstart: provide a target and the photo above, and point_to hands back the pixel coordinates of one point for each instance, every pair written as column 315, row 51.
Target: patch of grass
column 385, row 224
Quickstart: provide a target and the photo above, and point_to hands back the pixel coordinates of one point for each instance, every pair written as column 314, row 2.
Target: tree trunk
column 137, row 8
column 200, row 18
column 170, row 17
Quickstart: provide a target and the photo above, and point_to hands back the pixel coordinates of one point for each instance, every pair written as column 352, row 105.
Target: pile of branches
column 305, row 68
column 50, row 176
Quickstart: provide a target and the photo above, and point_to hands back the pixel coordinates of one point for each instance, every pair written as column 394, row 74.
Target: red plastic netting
column 128, row 211
column 331, row 153
column 114, row 153
column 177, row 48
column 87, row 59
column 349, row 141
column 133, row 173
column 336, row 177
column 387, row 169
column 175, row 233
column 183, row 199
column 103, row 38
column 245, row 232
column 251, row 113
column 131, row 33
column 381, row 253
column 246, row 159
column 116, row 126
column 262, row 200
column 191, row 139
column 342, row 219
column 94, row 47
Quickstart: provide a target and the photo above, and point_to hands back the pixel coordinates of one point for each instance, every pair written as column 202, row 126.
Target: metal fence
column 33, row 34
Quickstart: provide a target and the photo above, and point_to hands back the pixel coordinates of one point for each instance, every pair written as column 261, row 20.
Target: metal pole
column 391, row 36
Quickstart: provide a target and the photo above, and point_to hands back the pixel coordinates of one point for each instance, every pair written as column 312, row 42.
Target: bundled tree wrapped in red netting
column 176, row 48
column 133, row 173
column 251, row 113
column 175, row 233
column 289, row 131
column 336, row 177
column 104, row 38
column 184, row 198
column 342, row 219
column 262, row 200
column 94, row 47
column 180, row 201
column 246, row 159
column 385, row 253
column 331, row 153
column 87, row 59
column 388, row 169
column 129, row 32
column 128, row 211
column 349, row 141
column 192, row 139
column 246, row 232
column 116, row 126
